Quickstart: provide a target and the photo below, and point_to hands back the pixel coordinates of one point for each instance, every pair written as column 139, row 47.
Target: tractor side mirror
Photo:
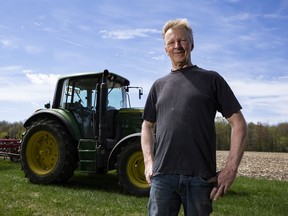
column 140, row 92
column 47, row 105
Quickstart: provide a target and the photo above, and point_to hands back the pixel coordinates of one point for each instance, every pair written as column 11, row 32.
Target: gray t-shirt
column 183, row 104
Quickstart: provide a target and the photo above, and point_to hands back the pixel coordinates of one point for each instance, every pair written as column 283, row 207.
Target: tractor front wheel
column 48, row 153
column 130, row 170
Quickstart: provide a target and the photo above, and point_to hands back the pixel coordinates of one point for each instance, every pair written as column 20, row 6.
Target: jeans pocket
column 209, row 182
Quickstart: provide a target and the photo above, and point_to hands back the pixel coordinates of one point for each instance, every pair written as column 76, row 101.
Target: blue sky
column 246, row 41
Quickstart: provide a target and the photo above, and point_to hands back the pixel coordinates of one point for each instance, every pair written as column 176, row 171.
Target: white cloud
column 31, row 49
column 7, row 69
column 69, row 41
column 8, row 43
column 159, row 58
column 128, row 33
column 40, row 79
column 245, row 16
column 30, row 88
column 261, row 88
column 19, row 44
column 263, row 100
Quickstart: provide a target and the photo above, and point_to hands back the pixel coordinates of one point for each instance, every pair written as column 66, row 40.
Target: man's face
column 178, row 47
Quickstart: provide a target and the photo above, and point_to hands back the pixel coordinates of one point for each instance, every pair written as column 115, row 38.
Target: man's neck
column 181, row 66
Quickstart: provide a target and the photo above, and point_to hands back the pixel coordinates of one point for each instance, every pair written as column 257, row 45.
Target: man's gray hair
column 178, row 23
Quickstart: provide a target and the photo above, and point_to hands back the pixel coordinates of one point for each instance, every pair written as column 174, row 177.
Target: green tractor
column 90, row 126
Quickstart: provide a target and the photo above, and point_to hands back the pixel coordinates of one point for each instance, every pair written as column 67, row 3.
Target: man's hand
column 225, row 179
column 148, row 171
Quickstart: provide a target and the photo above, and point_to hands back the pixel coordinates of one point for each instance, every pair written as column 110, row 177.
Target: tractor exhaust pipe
column 102, row 110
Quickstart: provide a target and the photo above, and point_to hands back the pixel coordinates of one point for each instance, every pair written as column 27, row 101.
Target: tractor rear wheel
column 130, row 170
column 48, row 153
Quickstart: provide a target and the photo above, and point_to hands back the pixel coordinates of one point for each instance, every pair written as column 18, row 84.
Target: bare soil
column 266, row 165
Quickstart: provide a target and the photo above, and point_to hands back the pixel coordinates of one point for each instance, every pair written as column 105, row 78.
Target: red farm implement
column 10, row 148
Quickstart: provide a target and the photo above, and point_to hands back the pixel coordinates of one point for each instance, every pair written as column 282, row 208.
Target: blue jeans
column 168, row 192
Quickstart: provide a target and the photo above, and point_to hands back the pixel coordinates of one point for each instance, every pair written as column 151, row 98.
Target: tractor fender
column 117, row 148
column 66, row 118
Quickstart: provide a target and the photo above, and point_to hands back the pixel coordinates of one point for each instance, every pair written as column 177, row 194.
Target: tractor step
column 87, row 155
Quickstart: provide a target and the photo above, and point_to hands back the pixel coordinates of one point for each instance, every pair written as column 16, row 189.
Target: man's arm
column 227, row 175
column 147, row 144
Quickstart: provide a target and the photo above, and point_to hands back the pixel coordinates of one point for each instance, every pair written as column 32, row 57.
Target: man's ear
column 192, row 46
column 166, row 50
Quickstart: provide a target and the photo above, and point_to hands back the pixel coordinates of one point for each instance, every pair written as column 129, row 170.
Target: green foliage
column 11, row 130
column 260, row 137
column 100, row 195
column 223, row 132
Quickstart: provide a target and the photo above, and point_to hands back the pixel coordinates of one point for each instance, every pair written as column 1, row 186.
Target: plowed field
column 267, row 165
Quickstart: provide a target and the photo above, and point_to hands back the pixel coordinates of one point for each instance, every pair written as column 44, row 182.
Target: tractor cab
column 81, row 95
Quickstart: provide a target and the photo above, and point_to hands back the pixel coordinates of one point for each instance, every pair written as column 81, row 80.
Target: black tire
column 48, row 153
column 130, row 170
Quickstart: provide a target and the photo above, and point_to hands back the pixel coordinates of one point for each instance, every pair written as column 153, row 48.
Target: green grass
column 100, row 195
column 250, row 196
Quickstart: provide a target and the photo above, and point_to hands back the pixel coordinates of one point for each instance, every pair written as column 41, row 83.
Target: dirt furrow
column 266, row 165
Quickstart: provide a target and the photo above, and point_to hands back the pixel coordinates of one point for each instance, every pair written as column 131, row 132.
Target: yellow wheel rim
column 135, row 170
column 42, row 152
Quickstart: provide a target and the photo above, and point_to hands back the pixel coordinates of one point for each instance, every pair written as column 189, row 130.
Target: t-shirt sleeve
column 149, row 113
column 227, row 101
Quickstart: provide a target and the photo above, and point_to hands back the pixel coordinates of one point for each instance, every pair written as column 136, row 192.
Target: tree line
column 260, row 137
column 11, row 130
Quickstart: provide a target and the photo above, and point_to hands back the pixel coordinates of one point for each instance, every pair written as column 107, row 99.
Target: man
column 180, row 164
